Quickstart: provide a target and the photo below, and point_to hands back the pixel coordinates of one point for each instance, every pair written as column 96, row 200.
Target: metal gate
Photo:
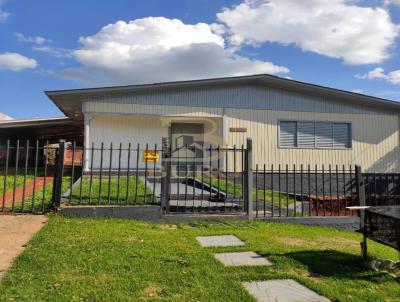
column 200, row 178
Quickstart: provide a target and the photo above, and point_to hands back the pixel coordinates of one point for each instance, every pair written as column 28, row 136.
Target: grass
column 42, row 199
column 111, row 196
column 258, row 195
column 19, row 179
column 88, row 259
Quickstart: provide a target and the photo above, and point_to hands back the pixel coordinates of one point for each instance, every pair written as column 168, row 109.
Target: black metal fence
column 304, row 190
column 205, row 179
column 382, row 189
column 113, row 175
column 38, row 176
column 26, row 178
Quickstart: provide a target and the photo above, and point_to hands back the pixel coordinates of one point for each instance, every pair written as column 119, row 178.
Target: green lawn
column 19, row 179
column 42, row 199
column 258, row 195
column 87, row 259
column 139, row 196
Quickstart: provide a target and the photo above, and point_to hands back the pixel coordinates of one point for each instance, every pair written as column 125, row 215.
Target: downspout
column 224, row 128
column 86, row 119
column 224, row 142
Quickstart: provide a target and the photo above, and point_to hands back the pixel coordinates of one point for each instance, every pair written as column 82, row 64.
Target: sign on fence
column 151, row 156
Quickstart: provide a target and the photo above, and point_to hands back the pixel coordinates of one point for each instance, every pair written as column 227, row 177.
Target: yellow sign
column 151, row 156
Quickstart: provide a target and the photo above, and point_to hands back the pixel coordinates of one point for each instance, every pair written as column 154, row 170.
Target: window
column 309, row 134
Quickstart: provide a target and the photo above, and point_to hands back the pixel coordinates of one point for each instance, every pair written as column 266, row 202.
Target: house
column 36, row 130
column 290, row 122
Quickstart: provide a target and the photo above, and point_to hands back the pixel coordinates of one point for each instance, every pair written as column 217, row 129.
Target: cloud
column 3, row 14
column 159, row 49
column 54, row 51
column 16, row 62
column 334, row 28
column 35, row 40
column 391, row 2
column 379, row 73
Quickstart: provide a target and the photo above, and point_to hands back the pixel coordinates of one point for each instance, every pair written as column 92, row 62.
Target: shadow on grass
column 336, row 264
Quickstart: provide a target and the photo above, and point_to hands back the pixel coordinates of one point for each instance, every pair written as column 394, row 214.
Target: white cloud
column 36, row 40
column 54, row 51
column 159, row 49
column 16, row 62
column 334, row 28
column 379, row 73
column 391, row 2
column 3, row 14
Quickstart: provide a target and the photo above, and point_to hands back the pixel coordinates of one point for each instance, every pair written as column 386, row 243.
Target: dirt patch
column 331, row 242
column 168, row 227
column 16, row 231
column 291, row 241
column 153, row 290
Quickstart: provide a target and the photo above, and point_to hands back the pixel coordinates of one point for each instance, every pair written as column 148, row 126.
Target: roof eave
column 261, row 79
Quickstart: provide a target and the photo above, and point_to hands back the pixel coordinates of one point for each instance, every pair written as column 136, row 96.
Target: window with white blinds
column 310, row 134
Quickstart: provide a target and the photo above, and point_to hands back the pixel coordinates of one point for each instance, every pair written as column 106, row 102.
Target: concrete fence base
column 154, row 213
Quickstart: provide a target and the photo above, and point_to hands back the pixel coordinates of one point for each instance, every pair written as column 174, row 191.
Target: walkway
column 16, row 231
column 281, row 290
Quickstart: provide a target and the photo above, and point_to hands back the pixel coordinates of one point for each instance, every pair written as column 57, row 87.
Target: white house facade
column 290, row 122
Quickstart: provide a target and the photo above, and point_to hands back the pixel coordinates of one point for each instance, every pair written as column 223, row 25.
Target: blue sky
column 48, row 45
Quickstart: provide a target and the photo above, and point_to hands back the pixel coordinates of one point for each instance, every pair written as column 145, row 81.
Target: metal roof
column 67, row 100
column 35, row 122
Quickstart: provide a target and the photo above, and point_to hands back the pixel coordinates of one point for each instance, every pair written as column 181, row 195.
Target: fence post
column 58, row 173
column 248, row 186
column 360, row 191
column 165, row 174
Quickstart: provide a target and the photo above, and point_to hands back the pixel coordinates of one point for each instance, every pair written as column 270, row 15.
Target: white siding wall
column 125, row 130
column 241, row 97
column 375, row 144
column 136, row 129
column 375, row 132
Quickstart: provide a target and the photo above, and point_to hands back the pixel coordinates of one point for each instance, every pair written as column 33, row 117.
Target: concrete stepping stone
column 242, row 258
column 225, row 240
column 282, row 291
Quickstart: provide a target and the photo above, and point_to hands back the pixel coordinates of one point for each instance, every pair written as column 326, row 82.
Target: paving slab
column 241, row 259
column 224, row 240
column 286, row 290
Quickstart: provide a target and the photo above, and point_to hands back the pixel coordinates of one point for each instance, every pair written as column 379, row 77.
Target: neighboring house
column 41, row 130
column 290, row 122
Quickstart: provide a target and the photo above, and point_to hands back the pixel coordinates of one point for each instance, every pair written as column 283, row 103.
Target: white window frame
column 315, row 147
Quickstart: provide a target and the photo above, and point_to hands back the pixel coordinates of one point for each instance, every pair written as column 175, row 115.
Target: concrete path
column 224, row 240
column 174, row 188
column 242, row 259
column 286, row 290
column 16, row 231
column 282, row 291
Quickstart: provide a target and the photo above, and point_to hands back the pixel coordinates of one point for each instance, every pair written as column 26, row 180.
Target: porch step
column 203, row 205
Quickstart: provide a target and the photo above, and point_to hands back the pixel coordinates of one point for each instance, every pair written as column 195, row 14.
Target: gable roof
column 68, row 101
